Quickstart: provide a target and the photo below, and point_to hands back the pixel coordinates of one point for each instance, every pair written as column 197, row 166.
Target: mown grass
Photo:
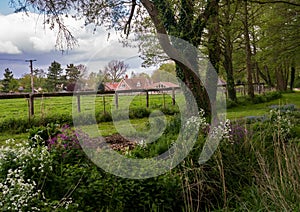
column 17, row 109
column 260, row 109
column 46, row 106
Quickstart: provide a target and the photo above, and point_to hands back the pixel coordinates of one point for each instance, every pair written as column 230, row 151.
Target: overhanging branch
column 128, row 23
column 274, row 2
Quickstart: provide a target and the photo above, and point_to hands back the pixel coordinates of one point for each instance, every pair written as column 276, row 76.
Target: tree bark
column 228, row 50
column 248, row 52
column 214, row 52
column 293, row 75
column 280, row 78
column 186, row 61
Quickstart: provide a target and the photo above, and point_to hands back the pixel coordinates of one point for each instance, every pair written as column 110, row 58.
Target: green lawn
column 18, row 108
column 263, row 108
column 63, row 105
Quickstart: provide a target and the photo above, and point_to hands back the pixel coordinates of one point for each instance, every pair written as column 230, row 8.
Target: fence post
column 116, row 100
column 78, row 104
column 173, row 96
column 164, row 100
column 31, row 105
column 147, row 99
column 103, row 98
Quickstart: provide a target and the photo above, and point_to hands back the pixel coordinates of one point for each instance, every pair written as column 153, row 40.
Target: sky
column 24, row 37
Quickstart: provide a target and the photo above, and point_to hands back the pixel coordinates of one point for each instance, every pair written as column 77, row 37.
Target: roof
column 164, row 85
column 111, row 86
column 221, row 82
column 135, row 83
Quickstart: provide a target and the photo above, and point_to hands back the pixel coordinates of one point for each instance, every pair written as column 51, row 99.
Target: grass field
column 260, row 109
column 18, row 108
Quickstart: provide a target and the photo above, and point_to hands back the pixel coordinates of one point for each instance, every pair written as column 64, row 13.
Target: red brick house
column 134, row 83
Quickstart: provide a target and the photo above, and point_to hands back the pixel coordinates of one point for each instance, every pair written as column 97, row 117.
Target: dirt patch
column 119, row 143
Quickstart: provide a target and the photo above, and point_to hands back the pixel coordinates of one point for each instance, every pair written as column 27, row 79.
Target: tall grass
column 260, row 172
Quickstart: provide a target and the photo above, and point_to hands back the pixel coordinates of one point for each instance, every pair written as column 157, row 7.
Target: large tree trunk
column 214, row 53
column 293, row 75
column 267, row 76
column 186, row 59
column 280, row 79
column 248, row 52
column 228, row 49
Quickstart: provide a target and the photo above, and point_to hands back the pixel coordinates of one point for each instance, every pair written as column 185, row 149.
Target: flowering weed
column 22, row 171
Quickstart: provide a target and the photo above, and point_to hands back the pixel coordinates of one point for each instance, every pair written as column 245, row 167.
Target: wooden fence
column 78, row 94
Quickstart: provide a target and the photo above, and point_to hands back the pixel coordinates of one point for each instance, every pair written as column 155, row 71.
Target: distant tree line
column 54, row 80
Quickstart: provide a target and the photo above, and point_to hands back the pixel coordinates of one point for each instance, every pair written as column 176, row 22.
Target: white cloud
column 27, row 36
column 9, row 48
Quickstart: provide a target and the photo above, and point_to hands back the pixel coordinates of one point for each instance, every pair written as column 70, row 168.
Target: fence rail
column 78, row 94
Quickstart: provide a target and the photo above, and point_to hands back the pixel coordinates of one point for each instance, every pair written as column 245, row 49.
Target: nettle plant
column 23, row 168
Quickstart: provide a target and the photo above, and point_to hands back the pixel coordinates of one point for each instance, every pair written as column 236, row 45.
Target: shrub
column 297, row 82
column 103, row 117
column 43, row 133
column 139, row 113
column 231, row 104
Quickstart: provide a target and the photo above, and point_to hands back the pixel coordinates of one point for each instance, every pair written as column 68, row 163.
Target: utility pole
column 31, row 74
column 31, row 97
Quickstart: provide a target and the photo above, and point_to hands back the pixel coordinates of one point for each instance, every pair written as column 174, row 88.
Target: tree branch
column 164, row 39
column 274, row 2
column 128, row 23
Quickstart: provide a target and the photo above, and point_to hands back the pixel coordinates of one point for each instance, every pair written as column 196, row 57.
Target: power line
column 8, row 59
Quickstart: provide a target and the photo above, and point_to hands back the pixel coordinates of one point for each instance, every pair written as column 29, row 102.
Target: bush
column 255, row 167
column 273, row 95
column 297, row 82
column 245, row 100
column 139, row 113
column 103, row 117
column 21, row 125
column 231, row 104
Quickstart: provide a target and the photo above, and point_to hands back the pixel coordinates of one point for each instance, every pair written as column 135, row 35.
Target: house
column 134, row 84
column 158, row 85
column 137, row 83
column 111, row 86
column 221, row 82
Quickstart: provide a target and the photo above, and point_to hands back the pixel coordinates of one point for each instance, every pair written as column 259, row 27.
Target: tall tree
column 115, row 70
column 54, row 77
column 279, row 45
column 228, row 33
column 184, row 19
column 248, row 52
column 8, row 81
column 166, row 72
column 73, row 78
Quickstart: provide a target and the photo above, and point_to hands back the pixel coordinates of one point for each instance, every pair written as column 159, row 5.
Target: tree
column 248, row 51
column 39, row 73
column 279, row 45
column 25, row 82
column 54, row 77
column 115, row 70
column 141, row 75
column 9, row 83
column 228, row 33
column 185, row 19
column 165, row 73
column 95, row 81
column 39, row 78
column 74, row 77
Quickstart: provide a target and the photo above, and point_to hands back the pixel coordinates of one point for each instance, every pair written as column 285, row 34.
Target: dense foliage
column 51, row 171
